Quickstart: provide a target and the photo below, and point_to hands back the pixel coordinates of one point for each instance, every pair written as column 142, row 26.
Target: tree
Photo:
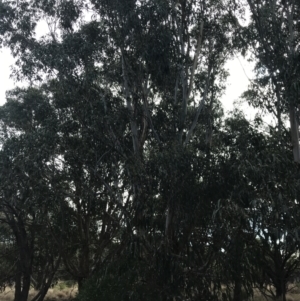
column 279, row 212
column 145, row 183
column 273, row 37
column 90, row 172
column 265, row 194
column 28, row 130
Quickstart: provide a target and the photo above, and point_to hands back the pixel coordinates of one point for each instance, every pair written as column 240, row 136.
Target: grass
column 60, row 292
column 292, row 295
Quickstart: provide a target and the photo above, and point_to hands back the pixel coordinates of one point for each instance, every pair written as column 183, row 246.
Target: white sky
column 240, row 72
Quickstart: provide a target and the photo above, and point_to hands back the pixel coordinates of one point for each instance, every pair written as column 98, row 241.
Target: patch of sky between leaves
column 7, row 61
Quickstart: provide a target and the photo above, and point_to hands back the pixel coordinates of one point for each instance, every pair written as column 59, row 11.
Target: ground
column 62, row 292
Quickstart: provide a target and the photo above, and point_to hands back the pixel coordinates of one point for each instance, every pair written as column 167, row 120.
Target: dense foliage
column 118, row 167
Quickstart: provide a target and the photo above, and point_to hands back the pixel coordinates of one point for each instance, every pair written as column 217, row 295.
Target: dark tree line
column 118, row 166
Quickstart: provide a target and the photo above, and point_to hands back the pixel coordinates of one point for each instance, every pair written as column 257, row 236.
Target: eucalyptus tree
column 264, row 190
column 163, row 83
column 27, row 135
column 160, row 63
column 278, row 216
column 91, row 171
column 238, row 141
column 273, row 38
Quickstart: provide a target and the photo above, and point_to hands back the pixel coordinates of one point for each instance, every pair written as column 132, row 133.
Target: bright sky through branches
column 240, row 71
column 237, row 82
column 6, row 60
column 239, row 68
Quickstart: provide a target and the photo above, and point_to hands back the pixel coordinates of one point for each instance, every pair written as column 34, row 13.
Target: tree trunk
column 295, row 134
column 237, row 266
column 25, row 259
column 280, row 287
column 80, row 282
column 237, row 292
column 42, row 293
column 47, row 283
column 22, row 284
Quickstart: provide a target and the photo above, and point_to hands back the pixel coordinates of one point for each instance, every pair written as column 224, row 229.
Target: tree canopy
column 118, row 165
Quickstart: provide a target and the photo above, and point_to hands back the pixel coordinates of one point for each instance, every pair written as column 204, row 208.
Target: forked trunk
column 22, row 286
